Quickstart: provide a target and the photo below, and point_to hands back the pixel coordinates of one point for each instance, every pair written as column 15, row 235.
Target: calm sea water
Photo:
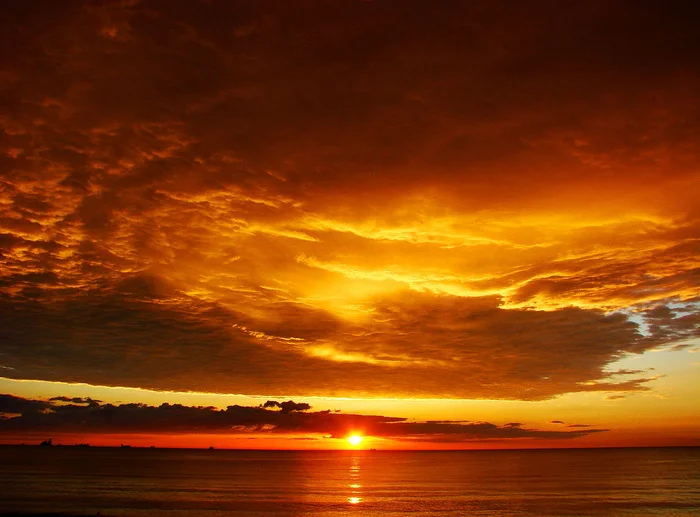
column 157, row 482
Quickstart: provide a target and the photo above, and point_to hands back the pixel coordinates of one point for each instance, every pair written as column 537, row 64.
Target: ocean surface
column 181, row 482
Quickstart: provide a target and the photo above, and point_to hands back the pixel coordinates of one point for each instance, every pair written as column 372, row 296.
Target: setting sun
column 355, row 440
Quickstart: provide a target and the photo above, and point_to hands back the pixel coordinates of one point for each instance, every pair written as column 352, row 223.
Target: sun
column 355, row 440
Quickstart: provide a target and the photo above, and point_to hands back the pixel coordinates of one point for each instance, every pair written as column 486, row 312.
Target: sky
column 277, row 224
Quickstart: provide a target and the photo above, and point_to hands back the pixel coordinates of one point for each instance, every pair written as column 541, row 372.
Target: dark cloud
column 12, row 404
column 76, row 400
column 137, row 418
column 468, row 348
column 573, row 425
column 669, row 325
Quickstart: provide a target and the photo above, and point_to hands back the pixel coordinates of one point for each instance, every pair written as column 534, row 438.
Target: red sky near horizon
column 439, row 224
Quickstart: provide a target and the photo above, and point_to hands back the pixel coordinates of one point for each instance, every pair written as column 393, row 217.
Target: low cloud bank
column 64, row 414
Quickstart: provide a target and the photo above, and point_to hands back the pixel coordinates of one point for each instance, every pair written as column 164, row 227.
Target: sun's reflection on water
column 354, row 484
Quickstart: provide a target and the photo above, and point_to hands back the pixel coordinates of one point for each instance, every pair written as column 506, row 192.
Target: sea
column 210, row 483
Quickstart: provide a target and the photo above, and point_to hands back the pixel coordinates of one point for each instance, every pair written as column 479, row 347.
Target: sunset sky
column 439, row 224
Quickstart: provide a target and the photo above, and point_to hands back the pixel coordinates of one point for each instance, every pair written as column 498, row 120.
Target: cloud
column 615, row 397
column 498, row 209
column 141, row 418
column 582, row 426
column 12, row 404
column 288, row 406
column 413, row 344
column 76, row 400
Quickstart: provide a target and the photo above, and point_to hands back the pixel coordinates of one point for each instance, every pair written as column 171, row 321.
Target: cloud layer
column 92, row 417
column 347, row 198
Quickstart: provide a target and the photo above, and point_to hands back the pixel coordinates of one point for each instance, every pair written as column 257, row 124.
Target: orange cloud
column 361, row 206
